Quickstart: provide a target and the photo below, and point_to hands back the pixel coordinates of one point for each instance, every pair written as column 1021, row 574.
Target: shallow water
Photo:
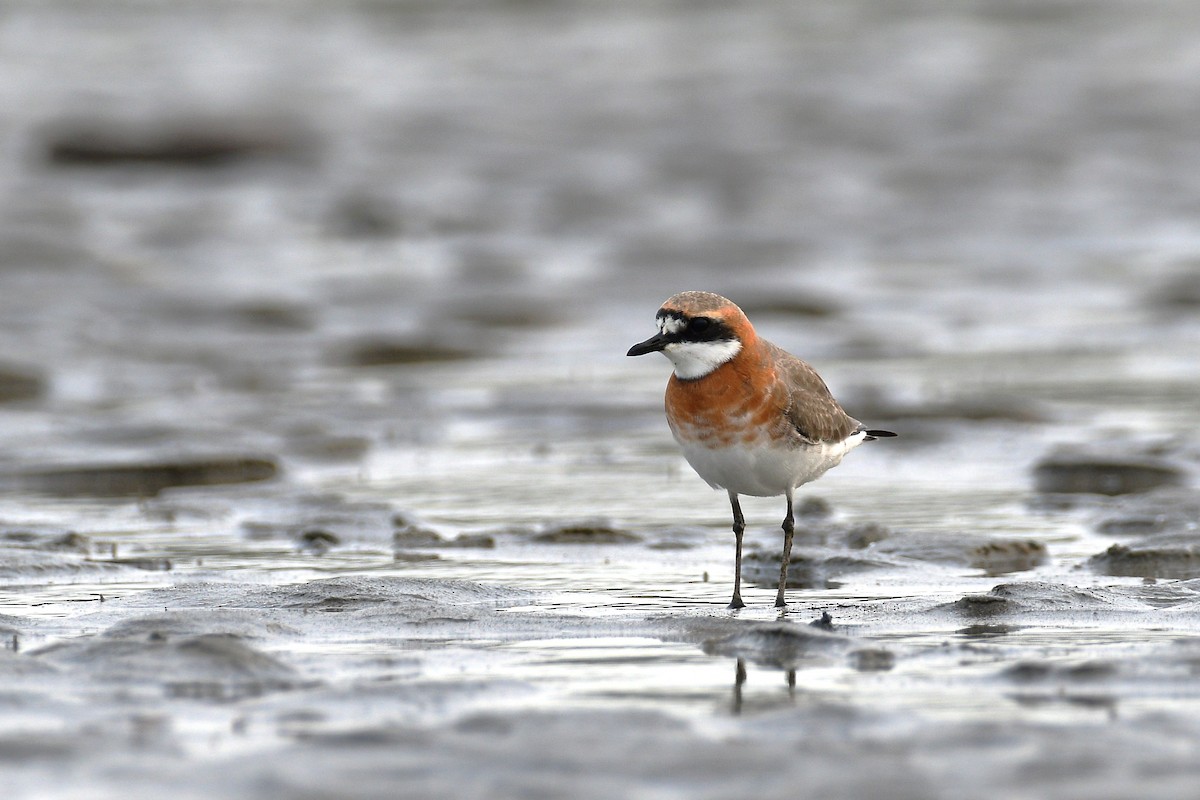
column 293, row 296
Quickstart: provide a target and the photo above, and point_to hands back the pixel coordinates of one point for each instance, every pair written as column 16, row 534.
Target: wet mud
column 143, row 480
column 324, row 473
column 172, row 142
column 1089, row 476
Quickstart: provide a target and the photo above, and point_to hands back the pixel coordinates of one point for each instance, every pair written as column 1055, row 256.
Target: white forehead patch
column 671, row 325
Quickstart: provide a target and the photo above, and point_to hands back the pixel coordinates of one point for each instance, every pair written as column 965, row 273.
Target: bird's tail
column 876, row 434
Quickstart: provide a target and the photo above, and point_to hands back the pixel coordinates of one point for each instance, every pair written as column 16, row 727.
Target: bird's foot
column 736, row 603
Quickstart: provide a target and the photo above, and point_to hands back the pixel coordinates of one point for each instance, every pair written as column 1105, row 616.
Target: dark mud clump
column 19, row 384
column 365, row 215
column 1080, row 474
column 1036, row 671
column 66, row 541
column 865, row 535
column 268, row 315
column 1171, row 562
column 26, row 564
column 168, row 142
column 1034, row 597
column 824, row 622
column 993, row 556
column 807, row 306
column 805, row 570
column 401, row 352
column 1040, row 595
column 981, row 605
column 1181, row 294
column 148, row 564
column 318, row 540
column 506, row 313
column 872, row 659
column 146, row 480
column 814, row 508
column 416, row 537
column 28, row 553
column 328, row 447
column 984, row 630
column 815, row 529
column 998, row 558
column 585, row 533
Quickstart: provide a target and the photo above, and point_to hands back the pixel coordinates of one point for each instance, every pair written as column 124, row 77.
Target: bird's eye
column 699, row 324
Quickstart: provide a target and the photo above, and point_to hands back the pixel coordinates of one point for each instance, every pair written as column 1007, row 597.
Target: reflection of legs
column 739, row 680
column 789, row 527
column 739, row 677
column 739, row 526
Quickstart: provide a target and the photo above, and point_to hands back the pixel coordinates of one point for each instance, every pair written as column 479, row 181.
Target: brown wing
column 811, row 408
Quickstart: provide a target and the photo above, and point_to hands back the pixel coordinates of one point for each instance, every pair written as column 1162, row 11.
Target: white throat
column 696, row 359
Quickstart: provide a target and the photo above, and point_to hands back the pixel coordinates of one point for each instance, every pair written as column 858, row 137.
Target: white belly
column 766, row 471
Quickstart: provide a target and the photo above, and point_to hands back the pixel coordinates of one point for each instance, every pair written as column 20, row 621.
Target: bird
column 751, row 418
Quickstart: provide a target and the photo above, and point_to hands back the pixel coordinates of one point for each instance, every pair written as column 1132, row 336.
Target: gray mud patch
column 1166, row 511
column 145, row 480
column 39, row 555
column 1082, row 474
column 414, row 537
column 343, row 594
column 992, row 556
column 584, row 532
column 380, row 352
column 20, row 384
column 806, row 570
column 166, row 142
column 208, row 666
column 872, row 547
column 781, row 645
column 1148, row 560
column 1036, row 600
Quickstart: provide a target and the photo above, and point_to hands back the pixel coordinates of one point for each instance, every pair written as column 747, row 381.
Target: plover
column 752, row 418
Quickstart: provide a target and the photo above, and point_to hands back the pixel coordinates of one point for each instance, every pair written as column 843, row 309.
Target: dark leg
column 739, row 526
column 789, row 527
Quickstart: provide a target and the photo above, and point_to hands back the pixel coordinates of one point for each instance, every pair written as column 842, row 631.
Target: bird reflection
column 739, row 679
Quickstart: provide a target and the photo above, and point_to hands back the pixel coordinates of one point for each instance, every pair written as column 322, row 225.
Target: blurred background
column 292, row 289
column 396, row 250
column 226, row 224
